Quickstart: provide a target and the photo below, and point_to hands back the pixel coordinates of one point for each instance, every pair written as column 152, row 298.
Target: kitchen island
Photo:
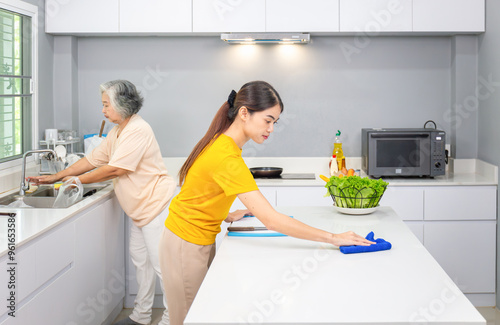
column 284, row 280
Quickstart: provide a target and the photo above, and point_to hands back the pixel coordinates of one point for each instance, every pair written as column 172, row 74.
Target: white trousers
column 144, row 253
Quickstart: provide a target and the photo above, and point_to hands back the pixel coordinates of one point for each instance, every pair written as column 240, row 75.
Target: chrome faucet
column 23, row 187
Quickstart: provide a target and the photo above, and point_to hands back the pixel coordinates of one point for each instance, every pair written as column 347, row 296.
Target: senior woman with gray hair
column 130, row 155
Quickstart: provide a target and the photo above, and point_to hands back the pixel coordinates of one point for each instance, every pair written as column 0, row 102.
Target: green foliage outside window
column 15, row 77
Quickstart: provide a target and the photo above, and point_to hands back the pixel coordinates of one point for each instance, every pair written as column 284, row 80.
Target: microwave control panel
column 438, row 156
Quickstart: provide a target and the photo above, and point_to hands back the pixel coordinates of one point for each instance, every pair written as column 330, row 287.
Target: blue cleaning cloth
column 381, row 245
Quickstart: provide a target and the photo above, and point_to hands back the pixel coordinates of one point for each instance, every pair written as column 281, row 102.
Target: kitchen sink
column 45, row 196
column 49, row 191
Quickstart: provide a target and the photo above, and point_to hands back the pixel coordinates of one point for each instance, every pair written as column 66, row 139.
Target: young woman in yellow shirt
column 213, row 176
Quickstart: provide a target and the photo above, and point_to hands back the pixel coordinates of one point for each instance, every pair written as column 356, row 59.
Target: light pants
column 184, row 266
column 144, row 253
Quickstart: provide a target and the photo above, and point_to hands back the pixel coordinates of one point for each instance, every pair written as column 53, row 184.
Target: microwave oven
column 403, row 152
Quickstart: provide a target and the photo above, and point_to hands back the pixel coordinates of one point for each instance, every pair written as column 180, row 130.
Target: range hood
column 265, row 38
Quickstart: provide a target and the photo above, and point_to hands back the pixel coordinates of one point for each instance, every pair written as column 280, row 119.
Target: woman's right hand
column 237, row 215
column 48, row 179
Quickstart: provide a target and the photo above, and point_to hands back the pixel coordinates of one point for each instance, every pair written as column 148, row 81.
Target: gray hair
column 124, row 97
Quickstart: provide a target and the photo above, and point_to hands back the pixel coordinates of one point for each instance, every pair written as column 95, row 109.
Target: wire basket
column 351, row 197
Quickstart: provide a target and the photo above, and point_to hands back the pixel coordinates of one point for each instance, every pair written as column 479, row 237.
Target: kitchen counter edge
column 51, row 218
column 460, row 172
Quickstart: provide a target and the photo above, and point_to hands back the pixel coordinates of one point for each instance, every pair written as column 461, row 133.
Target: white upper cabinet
column 155, row 16
column 302, row 15
column 374, row 16
column 78, row 16
column 224, row 16
column 219, row 16
column 448, row 16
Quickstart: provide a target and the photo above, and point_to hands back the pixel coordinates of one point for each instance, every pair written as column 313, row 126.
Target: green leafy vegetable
column 356, row 192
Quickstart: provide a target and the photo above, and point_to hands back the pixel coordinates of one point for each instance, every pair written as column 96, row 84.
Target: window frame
column 30, row 10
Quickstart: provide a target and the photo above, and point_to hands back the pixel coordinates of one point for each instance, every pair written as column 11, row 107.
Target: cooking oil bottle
column 337, row 149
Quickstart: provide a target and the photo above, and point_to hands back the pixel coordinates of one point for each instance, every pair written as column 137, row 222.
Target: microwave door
column 400, row 154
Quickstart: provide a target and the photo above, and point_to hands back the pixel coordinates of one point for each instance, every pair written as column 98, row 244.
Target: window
column 16, row 102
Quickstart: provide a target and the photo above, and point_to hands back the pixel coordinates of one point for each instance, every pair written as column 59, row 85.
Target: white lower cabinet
column 303, row 196
column 408, row 202
column 460, row 233
column 42, row 268
column 90, row 266
column 417, row 228
column 458, row 227
column 26, row 270
column 466, row 251
column 74, row 273
column 49, row 305
column 114, row 257
column 461, row 203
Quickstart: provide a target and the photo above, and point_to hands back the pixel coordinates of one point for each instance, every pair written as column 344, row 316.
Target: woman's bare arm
column 279, row 222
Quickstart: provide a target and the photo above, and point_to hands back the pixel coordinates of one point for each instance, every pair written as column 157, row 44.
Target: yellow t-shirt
column 143, row 192
column 210, row 187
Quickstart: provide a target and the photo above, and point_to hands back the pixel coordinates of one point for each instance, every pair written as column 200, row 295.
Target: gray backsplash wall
column 344, row 83
column 489, row 105
column 489, row 101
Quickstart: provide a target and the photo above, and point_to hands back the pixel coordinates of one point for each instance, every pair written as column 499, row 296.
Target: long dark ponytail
column 256, row 96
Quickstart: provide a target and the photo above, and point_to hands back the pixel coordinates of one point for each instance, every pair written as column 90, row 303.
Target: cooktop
column 292, row 176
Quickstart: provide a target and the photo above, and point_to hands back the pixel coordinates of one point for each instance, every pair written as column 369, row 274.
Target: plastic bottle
column 337, row 150
column 333, row 166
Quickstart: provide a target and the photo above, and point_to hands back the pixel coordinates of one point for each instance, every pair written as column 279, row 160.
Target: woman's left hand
column 350, row 238
column 237, row 215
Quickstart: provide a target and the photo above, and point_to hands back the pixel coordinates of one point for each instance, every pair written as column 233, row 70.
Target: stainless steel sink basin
column 45, row 192
column 45, row 196
column 48, row 191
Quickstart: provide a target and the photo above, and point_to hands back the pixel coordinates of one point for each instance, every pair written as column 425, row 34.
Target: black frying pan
column 266, row 171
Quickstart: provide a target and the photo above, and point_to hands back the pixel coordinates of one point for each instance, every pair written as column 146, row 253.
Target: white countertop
column 34, row 222
column 461, row 172
column 283, row 280
column 31, row 223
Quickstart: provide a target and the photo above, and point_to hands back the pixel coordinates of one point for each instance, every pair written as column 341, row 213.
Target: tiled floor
column 156, row 315
column 491, row 314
